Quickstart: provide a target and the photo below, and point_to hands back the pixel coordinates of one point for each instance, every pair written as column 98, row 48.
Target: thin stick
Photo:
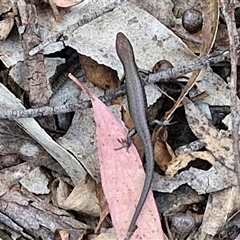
column 110, row 95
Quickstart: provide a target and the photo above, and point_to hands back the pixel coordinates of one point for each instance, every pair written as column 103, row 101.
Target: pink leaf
column 122, row 176
column 66, row 3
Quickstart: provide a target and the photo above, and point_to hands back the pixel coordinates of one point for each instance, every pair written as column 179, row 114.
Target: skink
column 137, row 106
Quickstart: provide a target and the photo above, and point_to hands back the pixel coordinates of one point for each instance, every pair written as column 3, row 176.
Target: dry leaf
column 203, row 181
column 210, row 13
column 36, row 182
column 82, row 198
column 6, row 5
column 11, row 176
column 181, row 161
column 161, row 10
column 162, row 155
column 62, row 234
column 208, row 39
column 106, row 234
column 98, row 74
column 32, row 128
column 220, row 146
column 220, row 206
column 101, row 199
column 5, row 28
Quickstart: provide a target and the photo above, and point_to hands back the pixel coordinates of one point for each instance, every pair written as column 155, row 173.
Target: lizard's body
column 137, row 107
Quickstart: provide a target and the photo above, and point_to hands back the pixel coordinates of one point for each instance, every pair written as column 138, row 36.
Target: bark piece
column 39, row 87
column 39, row 219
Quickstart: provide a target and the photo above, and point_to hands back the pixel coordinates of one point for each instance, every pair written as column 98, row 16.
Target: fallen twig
column 110, row 95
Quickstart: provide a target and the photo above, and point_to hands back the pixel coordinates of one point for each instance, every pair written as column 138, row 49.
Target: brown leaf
column 161, row 154
column 210, row 13
column 99, row 75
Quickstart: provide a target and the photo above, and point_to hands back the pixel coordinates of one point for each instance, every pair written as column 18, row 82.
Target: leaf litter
column 151, row 40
